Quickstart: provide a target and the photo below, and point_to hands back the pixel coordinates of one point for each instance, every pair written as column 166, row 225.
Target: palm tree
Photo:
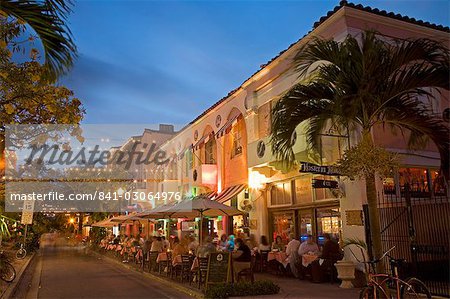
column 48, row 19
column 360, row 83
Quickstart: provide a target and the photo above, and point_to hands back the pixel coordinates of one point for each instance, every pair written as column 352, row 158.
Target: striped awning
column 229, row 193
column 227, row 125
column 202, row 140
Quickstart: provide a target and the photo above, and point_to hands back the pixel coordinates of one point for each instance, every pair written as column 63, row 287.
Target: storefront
column 296, row 207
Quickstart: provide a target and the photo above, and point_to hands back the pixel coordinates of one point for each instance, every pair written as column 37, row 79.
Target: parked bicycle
column 390, row 286
column 7, row 271
column 21, row 253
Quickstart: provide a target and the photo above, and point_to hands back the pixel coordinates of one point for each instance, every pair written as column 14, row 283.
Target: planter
column 346, row 273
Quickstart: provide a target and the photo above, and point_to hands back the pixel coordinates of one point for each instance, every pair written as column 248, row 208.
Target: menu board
column 218, row 268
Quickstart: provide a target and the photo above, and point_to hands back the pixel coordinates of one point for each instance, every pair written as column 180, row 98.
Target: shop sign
column 318, row 169
column 318, row 184
column 354, row 217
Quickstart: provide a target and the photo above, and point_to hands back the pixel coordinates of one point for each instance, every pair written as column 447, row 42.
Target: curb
column 169, row 283
column 11, row 289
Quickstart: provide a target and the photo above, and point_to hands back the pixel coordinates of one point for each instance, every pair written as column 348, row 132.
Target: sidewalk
column 290, row 287
column 7, row 289
column 295, row 288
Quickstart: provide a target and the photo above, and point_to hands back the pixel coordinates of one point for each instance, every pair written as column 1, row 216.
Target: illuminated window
column 236, row 148
column 281, row 194
column 210, row 155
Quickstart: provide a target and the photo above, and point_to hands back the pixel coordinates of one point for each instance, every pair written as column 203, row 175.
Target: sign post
column 27, row 216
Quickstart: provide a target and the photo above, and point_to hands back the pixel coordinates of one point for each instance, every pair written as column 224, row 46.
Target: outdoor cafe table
column 162, row 256
column 307, row 259
column 279, row 256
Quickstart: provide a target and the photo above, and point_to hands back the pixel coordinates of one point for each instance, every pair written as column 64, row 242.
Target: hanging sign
column 318, row 169
column 318, row 184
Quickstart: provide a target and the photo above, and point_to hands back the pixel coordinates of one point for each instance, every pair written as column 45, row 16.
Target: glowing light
column 72, row 220
column 256, row 180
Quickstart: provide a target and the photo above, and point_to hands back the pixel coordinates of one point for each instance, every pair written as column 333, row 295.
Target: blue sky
column 167, row 61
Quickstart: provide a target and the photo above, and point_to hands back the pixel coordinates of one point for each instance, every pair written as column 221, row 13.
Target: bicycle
column 391, row 286
column 22, row 252
column 7, row 271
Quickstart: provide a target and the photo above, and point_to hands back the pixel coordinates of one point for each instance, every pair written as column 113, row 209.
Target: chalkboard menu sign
column 218, row 268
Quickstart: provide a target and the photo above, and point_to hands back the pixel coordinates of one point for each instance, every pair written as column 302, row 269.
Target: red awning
column 227, row 125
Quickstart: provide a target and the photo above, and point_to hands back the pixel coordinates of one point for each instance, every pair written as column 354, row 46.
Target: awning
column 202, row 140
column 229, row 193
column 209, row 195
column 181, row 154
column 228, row 124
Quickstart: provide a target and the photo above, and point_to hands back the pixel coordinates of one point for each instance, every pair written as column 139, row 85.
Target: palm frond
column 48, row 20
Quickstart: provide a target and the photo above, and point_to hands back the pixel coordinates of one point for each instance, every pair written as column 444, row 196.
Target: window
column 189, row 161
column 236, row 148
column 264, row 120
column 303, row 190
column 283, row 225
column 325, row 193
column 281, row 194
column 210, row 157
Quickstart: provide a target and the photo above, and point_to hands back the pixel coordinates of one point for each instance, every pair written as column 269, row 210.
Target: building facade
column 225, row 152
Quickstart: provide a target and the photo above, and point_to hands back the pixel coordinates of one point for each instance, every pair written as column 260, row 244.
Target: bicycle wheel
column 21, row 253
column 7, row 272
column 414, row 289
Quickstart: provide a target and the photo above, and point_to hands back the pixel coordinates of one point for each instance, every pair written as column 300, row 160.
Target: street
column 68, row 272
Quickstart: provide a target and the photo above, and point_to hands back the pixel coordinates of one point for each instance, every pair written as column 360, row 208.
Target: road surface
column 68, row 272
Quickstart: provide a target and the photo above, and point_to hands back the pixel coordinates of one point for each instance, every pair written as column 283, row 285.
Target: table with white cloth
column 162, row 257
column 307, row 259
column 279, row 256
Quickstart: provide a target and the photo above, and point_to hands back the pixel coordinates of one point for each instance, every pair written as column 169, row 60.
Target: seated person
column 331, row 253
column 331, row 249
column 241, row 258
column 278, row 244
column 292, row 254
column 205, row 249
column 307, row 247
column 264, row 245
column 178, row 248
column 157, row 244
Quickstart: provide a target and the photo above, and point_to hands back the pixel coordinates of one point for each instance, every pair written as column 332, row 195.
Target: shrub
column 225, row 290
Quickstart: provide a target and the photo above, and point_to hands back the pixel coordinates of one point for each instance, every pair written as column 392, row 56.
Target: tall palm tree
column 48, row 19
column 363, row 82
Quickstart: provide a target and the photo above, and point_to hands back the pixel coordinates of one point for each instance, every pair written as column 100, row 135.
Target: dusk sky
column 167, row 61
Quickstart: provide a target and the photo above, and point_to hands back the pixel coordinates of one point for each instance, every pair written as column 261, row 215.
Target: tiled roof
column 316, row 24
column 383, row 13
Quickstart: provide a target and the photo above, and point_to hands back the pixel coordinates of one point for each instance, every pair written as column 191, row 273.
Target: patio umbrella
column 156, row 213
column 130, row 218
column 105, row 223
column 201, row 206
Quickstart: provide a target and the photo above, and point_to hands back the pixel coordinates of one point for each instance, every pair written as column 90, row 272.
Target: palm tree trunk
column 374, row 220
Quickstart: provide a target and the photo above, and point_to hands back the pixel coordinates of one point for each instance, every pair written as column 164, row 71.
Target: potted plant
column 346, row 267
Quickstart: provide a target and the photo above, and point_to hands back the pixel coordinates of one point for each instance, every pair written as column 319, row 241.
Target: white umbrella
column 201, row 206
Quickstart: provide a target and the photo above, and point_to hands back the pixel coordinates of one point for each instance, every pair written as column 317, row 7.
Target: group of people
column 295, row 250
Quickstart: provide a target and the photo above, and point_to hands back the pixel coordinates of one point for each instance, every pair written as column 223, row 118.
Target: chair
column 152, row 264
column 185, row 267
column 248, row 273
column 263, row 260
column 166, row 263
column 201, row 271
